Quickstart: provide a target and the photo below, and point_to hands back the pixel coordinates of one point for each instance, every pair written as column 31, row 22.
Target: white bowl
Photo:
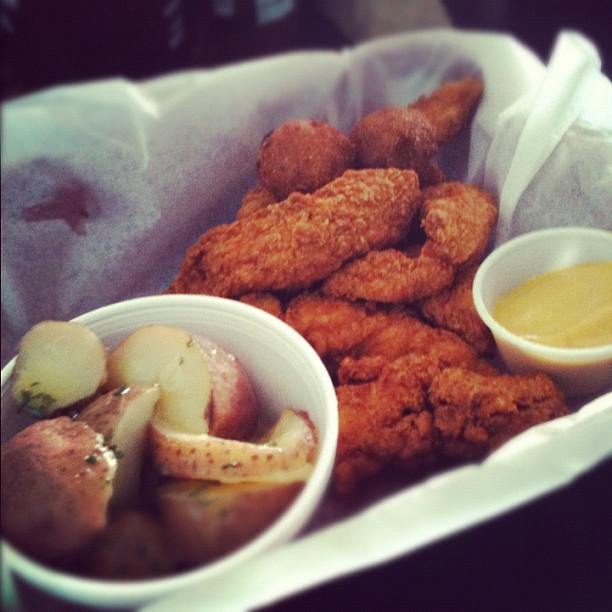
column 577, row 371
column 285, row 371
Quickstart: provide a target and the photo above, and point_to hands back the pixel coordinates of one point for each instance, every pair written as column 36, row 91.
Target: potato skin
column 207, row 520
column 233, row 411
column 56, row 484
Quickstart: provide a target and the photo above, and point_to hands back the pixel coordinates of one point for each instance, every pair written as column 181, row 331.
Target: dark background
column 49, row 42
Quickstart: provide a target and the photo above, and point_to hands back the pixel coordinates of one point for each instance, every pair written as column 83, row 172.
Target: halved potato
column 170, row 357
column 59, row 363
column 122, row 416
column 207, row 520
column 56, row 483
column 284, row 455
column 234, row 410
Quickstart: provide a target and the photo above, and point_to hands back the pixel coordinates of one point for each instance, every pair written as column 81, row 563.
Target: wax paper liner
column 105, row 184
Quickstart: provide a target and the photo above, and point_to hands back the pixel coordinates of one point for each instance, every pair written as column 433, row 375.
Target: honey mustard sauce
column 570, row 307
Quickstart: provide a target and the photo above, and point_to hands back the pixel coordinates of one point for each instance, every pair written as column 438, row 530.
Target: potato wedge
column 167, row 356
column 284, row 455
column 56, row 483
column 59, row 363
column 122, row 416
column 207, row 520
column 234, row 410
column 134, row 546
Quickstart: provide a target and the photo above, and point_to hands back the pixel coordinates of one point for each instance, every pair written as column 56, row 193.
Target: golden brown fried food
column 410, row 137
column 474, row 414
column 390, row 276
column 255, row 199
column 337, row 329
column 302, row 155
column 453, row 309
column 264, row 301
column 448, row 108
column 380, row 422
column 303, row 239
column 458, row 219
column 394, row 138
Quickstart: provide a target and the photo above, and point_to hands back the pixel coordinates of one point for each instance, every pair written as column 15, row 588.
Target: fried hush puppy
column 410, row 137
column 302, row 155
column 303, row 239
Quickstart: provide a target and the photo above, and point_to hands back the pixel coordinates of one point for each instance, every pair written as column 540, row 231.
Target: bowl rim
column 112, row 592
column 581, row 355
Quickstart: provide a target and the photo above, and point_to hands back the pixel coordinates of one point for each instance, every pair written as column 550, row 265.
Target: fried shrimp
column 299, row 241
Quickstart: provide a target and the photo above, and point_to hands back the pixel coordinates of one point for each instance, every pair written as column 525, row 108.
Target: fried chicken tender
column 453, row 309
column 264, row 301
column 302, row 155
column 338, row 329
column 255, row 199
column 391, row 276
column 475, row 414
column 380, row 422
column 299, row 241
column 457, row 219
column 449, row 106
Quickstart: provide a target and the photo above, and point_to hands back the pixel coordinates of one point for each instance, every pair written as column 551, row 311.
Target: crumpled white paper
column 106, row 184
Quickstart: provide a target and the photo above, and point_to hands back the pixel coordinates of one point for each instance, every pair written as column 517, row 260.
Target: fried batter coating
column 448, row 108
column 475, row 414
column 458, row 219
column 264, row 301
column 255, row 199
column 380, row 422
column 338, row 328
column 390, row 276
column 453, row 309
column 303, row 239
column 394, row 138
column 302, row 155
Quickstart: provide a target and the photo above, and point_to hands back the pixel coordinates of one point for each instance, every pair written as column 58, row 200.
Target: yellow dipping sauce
column 570, row 307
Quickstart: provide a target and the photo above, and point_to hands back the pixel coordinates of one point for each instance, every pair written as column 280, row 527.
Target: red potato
column 169, row 357
column 207, row 520
column 204, row 389
column 284, row 455
column 122, row 417
column 59, row 363
column 56, row 483
column 134, row 546
column 234, row 411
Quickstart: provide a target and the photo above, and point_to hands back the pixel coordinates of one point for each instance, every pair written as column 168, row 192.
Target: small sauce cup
column 577, row 371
